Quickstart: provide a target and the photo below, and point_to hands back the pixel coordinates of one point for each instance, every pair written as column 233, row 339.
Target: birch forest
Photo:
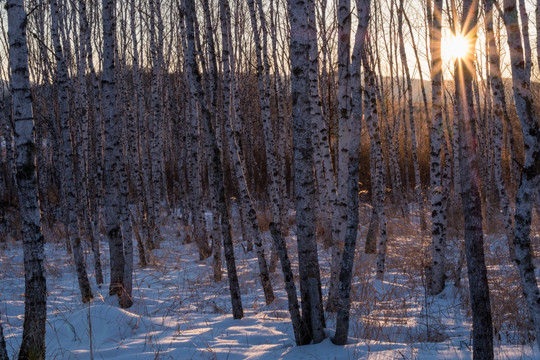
column 268, row 179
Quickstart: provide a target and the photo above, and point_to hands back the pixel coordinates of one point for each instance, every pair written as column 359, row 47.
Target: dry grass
column 264, row 217
column 389, row 314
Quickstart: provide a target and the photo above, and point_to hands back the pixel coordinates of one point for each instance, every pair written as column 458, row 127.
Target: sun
column 455, row 47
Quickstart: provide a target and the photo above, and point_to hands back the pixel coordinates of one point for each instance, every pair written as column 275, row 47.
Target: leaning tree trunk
column 215, row 172
column 530, row 174
column 248, row 209
column 116, row 190
column 35, row 287
column 470, row 196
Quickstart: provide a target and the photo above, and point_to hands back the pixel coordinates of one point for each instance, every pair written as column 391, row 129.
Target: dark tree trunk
column 470, row 196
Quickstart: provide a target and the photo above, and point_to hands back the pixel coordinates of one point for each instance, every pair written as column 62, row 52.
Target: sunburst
column 455, row 47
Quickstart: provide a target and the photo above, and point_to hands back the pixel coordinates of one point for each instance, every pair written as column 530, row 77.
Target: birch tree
column 470, row 194
column 414, row 142
column 215, row 171
column 308, row 263
column 86, row 104
column 69, row 172
column 232, row 109
column 301, row 333
column 35, row 287
column 530, row 174
column 115, row 182
column 499, row 105
column 344, row 108
column 377, row 161
column 345, row 276
column 438, row 230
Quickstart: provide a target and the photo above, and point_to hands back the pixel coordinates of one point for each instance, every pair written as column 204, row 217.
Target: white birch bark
column 321, row 153
column 95, row 151
column 531, row 168
column 84, row 103
column 344, row 108
column 212, row 87
column 345, row 277
column 155, row 122
column 35, row 302
column 498, row 103
column 230, row 109
column 215, row 172
column 300, row 331
column 304, row 177
column 193, row 171
column 115, row 181
column 69, row 179
column 371, row 116
column 135, row 144
column 318, row 141
column 438, row 230
column 414, row 143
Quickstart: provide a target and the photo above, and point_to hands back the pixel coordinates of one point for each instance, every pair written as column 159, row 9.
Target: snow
column 181, row 313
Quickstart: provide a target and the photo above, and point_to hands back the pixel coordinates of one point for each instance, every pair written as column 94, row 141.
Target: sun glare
column 455, row 47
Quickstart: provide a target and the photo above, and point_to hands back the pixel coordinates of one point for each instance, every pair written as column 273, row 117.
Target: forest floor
column 181, row 313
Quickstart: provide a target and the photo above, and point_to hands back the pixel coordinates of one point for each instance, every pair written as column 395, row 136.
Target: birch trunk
column 86, row 106
column 416, row 166
column 530, row 174
column 115, row 183
column 141, row 208
column 155, row 122
column 301, row 334
column 308, row 263
column 470, row 195
column 95, row 158
column 35, row 288
column 344, row 108
column 69, row 172
column 215, row 171
column 345, row 276
column 498, row 103
column 371, row 116
column 229, row 110
column 438, row 228
column 212, row 96
column 282, row 115
column 193, row 171
column 321, row 155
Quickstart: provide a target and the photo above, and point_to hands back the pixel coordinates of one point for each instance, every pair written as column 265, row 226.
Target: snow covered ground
column 180, row 313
